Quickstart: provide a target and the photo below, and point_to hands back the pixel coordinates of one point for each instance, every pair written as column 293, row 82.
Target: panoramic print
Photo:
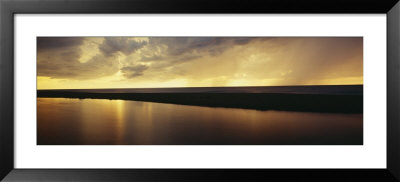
column 199, row 90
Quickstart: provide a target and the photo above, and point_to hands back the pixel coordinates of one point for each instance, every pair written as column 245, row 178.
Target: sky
column 149, row 62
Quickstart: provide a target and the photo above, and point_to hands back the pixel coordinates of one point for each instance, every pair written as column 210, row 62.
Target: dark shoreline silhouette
column 259, row 101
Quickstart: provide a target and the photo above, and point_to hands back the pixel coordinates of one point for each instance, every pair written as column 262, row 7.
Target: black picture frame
column 8, row 8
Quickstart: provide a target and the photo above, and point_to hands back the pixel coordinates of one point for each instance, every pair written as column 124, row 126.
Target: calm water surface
column 117, row 122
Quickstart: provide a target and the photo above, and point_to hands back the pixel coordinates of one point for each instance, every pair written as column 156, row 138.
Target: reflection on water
column 118, row 122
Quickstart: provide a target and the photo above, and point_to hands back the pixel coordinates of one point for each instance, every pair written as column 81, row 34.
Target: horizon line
column 198, row 87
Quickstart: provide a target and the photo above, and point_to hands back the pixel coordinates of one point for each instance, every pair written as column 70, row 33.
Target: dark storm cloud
column 152, row 58
column 59, row 58
column 166, row 53
column 58, row 42
column 133, row 71
column 126, row 46
column 97, row 66
column 189, row 48
column 296, row 59
column 242, row 41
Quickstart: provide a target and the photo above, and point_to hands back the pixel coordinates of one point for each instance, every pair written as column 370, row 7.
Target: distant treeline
column 258, row 101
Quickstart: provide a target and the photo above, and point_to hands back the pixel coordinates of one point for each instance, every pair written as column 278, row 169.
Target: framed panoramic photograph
column 199, row 91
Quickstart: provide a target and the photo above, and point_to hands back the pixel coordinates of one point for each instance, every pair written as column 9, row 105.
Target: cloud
column 133, row 71
column 168, row 53
column 98, row 66
column 202, row 61
column 58, row 42
column 63, row 60
column 126, row 46
column 263, row 60
column 308, row 59
column 189, row 48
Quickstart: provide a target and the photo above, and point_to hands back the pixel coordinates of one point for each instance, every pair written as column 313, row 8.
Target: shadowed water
column 119, row 122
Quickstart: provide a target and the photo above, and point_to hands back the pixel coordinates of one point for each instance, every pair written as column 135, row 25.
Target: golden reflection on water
column 118, row 122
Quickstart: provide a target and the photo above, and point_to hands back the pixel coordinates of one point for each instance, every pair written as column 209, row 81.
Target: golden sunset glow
column 149, row 62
